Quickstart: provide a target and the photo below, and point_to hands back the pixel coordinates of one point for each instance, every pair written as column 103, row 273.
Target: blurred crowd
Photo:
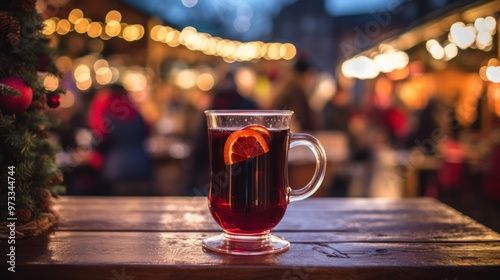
column 386, row 149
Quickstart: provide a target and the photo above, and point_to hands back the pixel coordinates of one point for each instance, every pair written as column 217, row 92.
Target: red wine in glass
column 249, row 197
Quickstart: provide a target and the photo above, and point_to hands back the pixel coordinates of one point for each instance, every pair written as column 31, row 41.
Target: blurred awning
column 435, row 25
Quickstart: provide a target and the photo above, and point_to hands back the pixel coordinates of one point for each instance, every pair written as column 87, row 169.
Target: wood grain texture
column 153, row 248
column 361, row 219
column 95, row 255
column 160, row 238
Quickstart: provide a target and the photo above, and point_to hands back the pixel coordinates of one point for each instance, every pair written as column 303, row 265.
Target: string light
column 491, row 72
column 477, row 35
column 189, row 37
column 363, row 67
column 229, row 50
column 112, row 27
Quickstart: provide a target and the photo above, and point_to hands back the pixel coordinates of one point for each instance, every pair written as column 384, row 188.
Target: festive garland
column 29, row 176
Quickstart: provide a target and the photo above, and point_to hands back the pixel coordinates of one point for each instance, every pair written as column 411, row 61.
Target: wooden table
column 125, row 238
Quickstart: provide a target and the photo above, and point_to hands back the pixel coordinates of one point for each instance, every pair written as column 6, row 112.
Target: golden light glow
column 174, row 41
column 205, row 81
column 75, row 15
column 169, row 35
column 141, row 30
column 493, row 62
column 272, row 52
column 493, row 94
column 290, row 51
column 399, row 74
column 82, row 73
column 113, row 16
column 189, row 37
column 123, row 25
column 413, row 92
column 100, row 63
column 113, row 28
column 263, row 48
column 228, row 49
column 50, row 83
column 383, row 92
column 84, row 85
column 153, row 33
column 63, row 27
column 103, row 75
column 186, row 79
column 482, row 73
column 49, row 27
column 133, row 32
column 115, row 75
column 82, row 25
column 134, row 81
column 95, row 30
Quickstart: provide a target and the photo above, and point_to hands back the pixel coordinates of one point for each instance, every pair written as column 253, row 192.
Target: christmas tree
column 29, row 176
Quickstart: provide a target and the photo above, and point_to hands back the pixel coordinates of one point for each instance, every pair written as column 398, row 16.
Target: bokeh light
column 186, row 78
column 50, row 83
column 94, row 30
column 49, row 27
column 82, row 25
column 134, row 81
column 82, row 73
column 113, row 15
column 205, row 81
column 75, row 15
column 63, row 27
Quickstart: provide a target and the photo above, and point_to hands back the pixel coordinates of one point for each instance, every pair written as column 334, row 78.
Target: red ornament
column 15, row 104
column 53, row 100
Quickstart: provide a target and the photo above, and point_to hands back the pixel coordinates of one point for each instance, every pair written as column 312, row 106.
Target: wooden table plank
column 150, row 254
column 341, row 220
column 185, row 248
column 160, row 238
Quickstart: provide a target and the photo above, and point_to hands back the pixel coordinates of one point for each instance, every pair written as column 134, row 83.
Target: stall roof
column 436, row 24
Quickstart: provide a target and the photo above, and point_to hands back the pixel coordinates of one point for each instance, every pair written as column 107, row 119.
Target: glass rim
column 256, row 112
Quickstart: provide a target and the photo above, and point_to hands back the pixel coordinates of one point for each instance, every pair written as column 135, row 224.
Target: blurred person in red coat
column 119, row 133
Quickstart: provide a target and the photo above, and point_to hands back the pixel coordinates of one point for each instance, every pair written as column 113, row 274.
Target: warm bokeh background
column 404, row 95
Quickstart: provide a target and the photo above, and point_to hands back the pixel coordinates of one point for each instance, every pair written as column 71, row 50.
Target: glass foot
column 246, row 244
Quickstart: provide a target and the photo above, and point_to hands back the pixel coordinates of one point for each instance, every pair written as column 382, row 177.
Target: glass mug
column 249, row 190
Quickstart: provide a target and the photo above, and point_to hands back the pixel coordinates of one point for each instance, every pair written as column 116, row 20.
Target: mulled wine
column 251, row 195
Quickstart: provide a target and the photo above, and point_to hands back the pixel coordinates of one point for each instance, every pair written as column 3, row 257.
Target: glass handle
column 302, row 139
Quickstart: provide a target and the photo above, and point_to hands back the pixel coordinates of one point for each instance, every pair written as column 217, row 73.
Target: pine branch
column 6, row 123
column 8, row 91
column 22, row 135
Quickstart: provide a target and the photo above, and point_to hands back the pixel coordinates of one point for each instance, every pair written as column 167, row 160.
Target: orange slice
column 244, row 144
column 261, row 129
